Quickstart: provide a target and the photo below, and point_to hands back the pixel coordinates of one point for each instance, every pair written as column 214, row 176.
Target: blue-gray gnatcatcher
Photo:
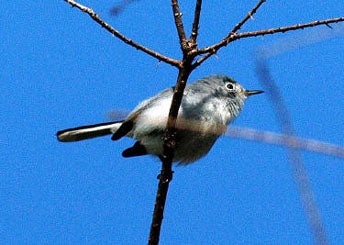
column 208, row 106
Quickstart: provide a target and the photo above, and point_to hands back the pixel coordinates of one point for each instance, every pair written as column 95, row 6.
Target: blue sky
column 59, row 69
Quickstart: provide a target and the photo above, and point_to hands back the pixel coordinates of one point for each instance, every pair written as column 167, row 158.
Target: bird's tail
column 88, row 132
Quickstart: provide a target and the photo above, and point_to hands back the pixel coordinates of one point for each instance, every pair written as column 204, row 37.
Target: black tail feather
column 81, row 133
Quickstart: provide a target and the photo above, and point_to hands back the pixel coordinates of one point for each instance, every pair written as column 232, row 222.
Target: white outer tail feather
column 88, row 132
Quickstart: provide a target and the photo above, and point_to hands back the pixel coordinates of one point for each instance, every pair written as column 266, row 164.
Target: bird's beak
column 252, row 92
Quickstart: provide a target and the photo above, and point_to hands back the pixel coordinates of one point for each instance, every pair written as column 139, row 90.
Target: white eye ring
column 229, row 86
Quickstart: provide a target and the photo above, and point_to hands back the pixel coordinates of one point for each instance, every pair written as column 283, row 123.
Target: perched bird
column 208, row 106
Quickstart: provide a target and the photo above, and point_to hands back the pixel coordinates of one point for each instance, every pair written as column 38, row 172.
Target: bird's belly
column 194, row 137
column 190, row 146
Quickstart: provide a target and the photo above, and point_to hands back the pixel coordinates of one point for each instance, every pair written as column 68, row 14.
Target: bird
column 208, row 106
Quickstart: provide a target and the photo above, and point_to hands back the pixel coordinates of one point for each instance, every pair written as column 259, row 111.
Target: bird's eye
column 229, row 86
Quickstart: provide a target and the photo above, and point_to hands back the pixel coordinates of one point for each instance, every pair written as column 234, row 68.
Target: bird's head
column 228, row 87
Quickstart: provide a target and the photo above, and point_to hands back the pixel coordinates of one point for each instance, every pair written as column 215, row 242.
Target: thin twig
column 209, row 51
column 299, row 171
column 119, row 35
column 195, row 24
column 213, row 49
column 234, row 30
column 179, row 25
column 287, row 28
column 248, row 16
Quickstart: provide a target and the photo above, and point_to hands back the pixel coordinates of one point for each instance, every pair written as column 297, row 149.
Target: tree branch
column 209, row 51
column 120, row 36
column 195, row 24
column 166, row 173
column 164, row 180
column 248, row 16
column 237, row 27
column 287, row 28
column 179, row 25
column 169, row 139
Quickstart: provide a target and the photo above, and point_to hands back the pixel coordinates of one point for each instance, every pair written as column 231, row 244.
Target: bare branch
column 166, row 173
column 119, row 35
column 209, row 51
column 179, row 25
column 232, row 36
column 195, row 25
column 248, row 16
column 234, row 30
column 169, row 139
column 164, row 180
column 287, row 28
